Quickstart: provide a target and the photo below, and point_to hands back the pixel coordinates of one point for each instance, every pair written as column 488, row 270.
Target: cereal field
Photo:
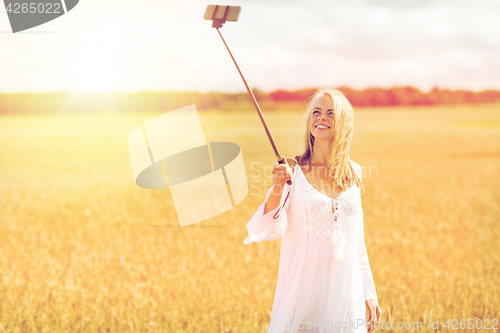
column 83, row 249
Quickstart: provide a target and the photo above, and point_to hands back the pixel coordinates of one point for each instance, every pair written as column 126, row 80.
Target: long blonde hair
column 339, row 169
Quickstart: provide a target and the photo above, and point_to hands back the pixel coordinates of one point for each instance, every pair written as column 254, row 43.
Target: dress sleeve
column 364, row 265
column 272, row 225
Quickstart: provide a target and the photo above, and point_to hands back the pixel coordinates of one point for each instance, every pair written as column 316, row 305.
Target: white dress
column 321, row 287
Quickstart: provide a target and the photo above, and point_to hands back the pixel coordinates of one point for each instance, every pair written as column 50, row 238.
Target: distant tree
column 147, row 101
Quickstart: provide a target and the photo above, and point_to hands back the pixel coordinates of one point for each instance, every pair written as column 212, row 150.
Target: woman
column 324, row 279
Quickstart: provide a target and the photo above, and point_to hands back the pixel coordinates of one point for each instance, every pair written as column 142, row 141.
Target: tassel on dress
column 338, row 239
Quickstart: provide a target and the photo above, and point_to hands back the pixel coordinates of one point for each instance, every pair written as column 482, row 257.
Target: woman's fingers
column 374, row 314
column 371, row 327
column 373, row 320
column 283, row 176
column 282, row 172
column 379, row 313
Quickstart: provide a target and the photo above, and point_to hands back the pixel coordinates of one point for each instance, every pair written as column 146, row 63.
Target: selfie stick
column 219, row 15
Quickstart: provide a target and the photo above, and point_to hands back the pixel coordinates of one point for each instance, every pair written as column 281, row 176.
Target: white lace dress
column 324, row 275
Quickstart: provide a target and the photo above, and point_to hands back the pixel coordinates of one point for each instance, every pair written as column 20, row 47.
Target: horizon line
column 203, row 92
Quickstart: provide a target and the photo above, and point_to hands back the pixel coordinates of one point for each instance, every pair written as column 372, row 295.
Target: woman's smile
column 322, row 127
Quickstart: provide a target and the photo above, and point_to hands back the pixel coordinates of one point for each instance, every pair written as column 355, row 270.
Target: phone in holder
column 220, row 14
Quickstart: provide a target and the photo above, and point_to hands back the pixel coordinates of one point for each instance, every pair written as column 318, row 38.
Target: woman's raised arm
column 271, row 219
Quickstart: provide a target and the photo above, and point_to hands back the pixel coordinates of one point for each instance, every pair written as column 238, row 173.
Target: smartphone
column 225, row 13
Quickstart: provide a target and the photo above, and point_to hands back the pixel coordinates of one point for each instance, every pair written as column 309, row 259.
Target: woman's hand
column 375, row 313
column 282, row 172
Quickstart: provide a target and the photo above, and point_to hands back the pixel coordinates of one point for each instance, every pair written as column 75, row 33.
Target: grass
column 83, row 249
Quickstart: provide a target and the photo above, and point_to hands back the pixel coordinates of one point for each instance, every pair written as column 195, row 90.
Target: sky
column 165, row 45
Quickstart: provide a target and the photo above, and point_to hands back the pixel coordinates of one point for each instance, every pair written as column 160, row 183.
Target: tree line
column 151, row 101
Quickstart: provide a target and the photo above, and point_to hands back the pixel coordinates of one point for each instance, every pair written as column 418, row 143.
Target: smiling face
column 321, row 122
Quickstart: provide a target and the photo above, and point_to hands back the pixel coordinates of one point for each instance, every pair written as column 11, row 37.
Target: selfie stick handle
column 257, row 107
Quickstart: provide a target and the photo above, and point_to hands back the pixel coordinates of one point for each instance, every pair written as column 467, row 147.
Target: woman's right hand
column 282, row 172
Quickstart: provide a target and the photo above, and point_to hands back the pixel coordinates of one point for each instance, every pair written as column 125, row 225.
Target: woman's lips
column 322, row 127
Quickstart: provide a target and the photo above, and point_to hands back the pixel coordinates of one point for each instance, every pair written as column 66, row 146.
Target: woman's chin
column 323, row 136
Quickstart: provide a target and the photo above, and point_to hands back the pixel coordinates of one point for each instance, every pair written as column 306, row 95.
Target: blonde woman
column 325, row 283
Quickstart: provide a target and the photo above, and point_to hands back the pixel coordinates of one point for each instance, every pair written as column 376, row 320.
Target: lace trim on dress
column 321, row 219
column 336, row 225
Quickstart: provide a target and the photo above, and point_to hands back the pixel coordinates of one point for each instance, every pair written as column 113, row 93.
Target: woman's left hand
column 375, row 313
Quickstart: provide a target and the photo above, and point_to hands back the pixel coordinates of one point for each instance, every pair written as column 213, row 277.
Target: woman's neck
column 321, row 153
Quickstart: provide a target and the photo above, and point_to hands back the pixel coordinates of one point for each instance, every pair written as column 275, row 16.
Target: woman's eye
column 314, row 112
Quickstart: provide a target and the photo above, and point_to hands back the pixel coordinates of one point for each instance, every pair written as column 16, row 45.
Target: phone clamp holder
column 220, row 14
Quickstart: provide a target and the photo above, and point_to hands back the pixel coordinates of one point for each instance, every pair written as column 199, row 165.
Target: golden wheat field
column 83, row 249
